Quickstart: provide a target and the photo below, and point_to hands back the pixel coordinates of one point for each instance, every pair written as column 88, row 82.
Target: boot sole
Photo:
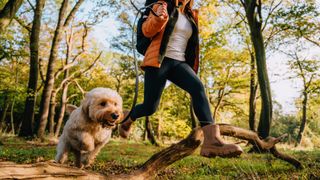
column 229, row 155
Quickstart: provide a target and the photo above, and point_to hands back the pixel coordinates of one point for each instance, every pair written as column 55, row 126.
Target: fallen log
column 45, row 170
column 265, row 145
column 167, row 156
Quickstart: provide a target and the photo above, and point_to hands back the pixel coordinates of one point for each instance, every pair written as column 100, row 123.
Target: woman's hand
column 162, row 11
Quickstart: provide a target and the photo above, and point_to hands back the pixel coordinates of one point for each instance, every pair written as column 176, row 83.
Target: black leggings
column 181, row 74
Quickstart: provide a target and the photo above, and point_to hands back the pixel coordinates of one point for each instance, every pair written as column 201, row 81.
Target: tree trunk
column 253, row 9
column 4, row 113
column 8, row 13
column 62, row 109
column 53, row 103
column 304, row 116
column 149, row 133
column 49, row 82
column 216, row 108
column 194, row 122
column 11, row 116
column 221, row 94
column 27, row 128
column 253, row 94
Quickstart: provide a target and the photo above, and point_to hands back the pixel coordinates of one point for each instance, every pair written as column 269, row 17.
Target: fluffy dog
column 90, row 126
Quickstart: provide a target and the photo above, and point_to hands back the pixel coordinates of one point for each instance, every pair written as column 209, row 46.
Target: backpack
column 142, row 42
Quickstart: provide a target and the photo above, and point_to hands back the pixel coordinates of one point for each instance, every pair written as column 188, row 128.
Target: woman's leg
column 185, row 78
column 154, row 83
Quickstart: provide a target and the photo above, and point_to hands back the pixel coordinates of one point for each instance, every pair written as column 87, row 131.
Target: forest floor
column 123, row 156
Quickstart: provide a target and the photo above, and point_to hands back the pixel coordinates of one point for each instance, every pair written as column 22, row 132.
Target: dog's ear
column 70, row 108
column 86, row 103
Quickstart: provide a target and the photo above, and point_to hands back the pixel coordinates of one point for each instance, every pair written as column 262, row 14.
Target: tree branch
column 28, row 28
column 259, row 12
column 41, row 70
column 80, row 88
column 72, row 13
column 31, row 5
column 69, row 46
column 71, row 96
column 78, row 73
column 271, row 10
column 311, row 40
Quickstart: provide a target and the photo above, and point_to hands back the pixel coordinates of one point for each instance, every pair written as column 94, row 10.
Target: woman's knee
column 149, row 110
column 197, row 88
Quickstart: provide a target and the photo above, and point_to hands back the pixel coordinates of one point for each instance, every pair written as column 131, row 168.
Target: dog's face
column 103, row 105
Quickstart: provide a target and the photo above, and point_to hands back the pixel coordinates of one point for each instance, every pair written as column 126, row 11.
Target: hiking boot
column 125, row 128
column 214, row 146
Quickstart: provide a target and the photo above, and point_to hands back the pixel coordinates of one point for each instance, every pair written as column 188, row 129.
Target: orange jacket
column 159, row 30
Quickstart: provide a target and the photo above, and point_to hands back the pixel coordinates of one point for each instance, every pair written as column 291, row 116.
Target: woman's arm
column 155, row 24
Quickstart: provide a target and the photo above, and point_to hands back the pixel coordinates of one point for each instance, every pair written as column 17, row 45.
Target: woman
column 173, row 55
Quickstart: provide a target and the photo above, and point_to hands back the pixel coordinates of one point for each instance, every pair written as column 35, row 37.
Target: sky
column 284, row 90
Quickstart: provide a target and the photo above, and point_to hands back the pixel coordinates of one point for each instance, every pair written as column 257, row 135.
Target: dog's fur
column 90, row 126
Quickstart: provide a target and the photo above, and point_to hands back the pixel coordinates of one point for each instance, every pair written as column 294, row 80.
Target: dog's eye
column 103, row 104
column 115, row 104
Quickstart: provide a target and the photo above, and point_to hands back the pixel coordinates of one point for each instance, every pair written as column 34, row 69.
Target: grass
column 121, row 156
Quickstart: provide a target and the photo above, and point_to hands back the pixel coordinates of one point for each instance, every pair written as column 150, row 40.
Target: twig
column 28, row 28
column 31, row 5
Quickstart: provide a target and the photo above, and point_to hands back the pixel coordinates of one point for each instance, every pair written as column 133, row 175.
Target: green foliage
column 288, row 124
column 298, row 18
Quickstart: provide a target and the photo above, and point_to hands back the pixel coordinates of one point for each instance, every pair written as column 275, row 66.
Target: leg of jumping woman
column 154, row 83
column 184, row 77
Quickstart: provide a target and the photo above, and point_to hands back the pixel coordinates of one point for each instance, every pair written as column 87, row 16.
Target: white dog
column 90, row 126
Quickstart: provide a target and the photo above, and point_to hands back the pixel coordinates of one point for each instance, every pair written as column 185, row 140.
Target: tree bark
column 4, row 113
column 53, row 103
column 304, row 116
column 8, row 13
column 49, row 83
column 253, row 94
column 149, row 133
column 166, row 157
column 9, row 170
column 27, row 128
column 217, row 106
column 265, row 145
column 194, row 122
column 12, row 117
column 253, row 12
column 62, row 109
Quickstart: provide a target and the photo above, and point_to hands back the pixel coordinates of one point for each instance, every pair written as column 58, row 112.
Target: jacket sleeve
column 196, row 16
column 153, row 24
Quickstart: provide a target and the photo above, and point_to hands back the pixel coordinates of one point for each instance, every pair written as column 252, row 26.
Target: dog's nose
column 114, row 116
